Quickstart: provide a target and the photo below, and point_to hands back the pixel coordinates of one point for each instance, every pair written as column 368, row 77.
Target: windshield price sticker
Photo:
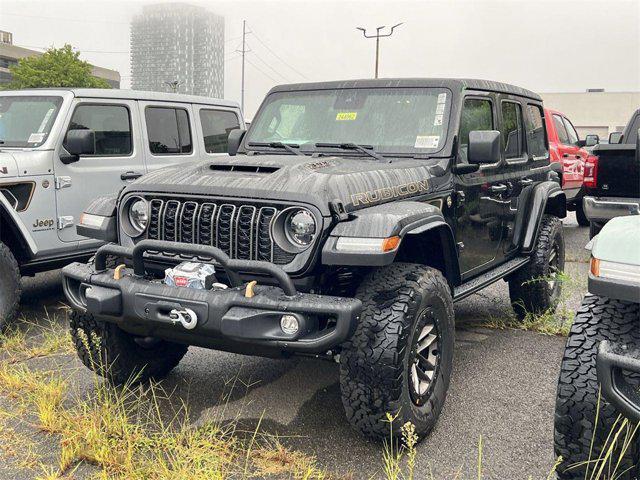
column 36, row 137
column 442, row 97
column 346, row 116
column 427, row 141
column 438, row 120
column 440, row 109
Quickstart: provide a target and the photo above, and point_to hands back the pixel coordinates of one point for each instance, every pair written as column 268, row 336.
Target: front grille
column 242, row 231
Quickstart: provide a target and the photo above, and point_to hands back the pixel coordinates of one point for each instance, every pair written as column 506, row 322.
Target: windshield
column 392, row 120
column 25, row 121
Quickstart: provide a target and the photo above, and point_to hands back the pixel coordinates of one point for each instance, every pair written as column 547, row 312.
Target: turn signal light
column 595, row 267
column 391, row 243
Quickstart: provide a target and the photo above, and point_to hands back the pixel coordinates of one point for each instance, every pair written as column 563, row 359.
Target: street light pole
column 377, row 36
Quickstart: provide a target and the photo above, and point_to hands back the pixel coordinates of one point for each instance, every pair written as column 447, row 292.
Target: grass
column 123, row 435
column 555, row 321
column 26, row 340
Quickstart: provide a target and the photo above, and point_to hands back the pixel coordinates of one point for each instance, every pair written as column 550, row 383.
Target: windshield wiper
column 366, row 149
column 292, row 148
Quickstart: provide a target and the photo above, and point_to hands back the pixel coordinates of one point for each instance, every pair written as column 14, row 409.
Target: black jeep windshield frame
column 411, row 120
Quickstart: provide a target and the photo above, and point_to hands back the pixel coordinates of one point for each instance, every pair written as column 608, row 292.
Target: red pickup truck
column 566, row 148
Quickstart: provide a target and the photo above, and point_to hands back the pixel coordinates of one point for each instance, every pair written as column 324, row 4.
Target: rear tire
column 119, row 356
column 399, row 359
column 10, row 287
column 536, row 287
column 599, row 318
column 582, row 219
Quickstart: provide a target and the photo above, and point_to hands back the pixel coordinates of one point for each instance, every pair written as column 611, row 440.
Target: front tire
column 536, row 287
column 10, row 287
column 119, row 356
column 399, row 359
column 599, row 318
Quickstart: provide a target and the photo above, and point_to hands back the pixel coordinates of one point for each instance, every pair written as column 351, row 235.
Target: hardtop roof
column 454, row 84
column 123, row 94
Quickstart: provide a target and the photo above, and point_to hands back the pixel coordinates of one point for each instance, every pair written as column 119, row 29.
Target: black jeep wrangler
column 344, row 224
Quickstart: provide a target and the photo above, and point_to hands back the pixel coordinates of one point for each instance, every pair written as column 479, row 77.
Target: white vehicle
column 600, row 371
column 61, row 148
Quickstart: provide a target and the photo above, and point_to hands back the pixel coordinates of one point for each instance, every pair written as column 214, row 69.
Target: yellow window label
column 346, row 115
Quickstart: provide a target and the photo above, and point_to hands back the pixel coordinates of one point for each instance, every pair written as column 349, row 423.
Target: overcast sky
column 546, row 46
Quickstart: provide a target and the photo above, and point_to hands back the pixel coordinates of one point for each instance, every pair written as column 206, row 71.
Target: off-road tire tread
column 526, row 293
column 112, row 353
column 598, row 318
column 371, row 362
column 11, row 292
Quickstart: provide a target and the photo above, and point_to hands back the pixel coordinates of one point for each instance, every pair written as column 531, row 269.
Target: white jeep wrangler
column 59, row 149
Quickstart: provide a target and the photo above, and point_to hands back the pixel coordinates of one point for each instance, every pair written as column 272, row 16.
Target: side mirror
column 615, row 137
column 484, row 146
column 591, row 140
column 77, row 143
column 234, row 140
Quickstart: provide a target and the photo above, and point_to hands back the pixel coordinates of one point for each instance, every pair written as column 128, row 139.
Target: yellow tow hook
column 248, row 292
column 117, row 273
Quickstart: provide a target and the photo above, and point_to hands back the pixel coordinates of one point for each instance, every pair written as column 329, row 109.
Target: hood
column 356, row 182
column 8, row 166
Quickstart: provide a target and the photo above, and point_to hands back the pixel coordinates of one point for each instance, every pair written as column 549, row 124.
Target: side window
column 216, row 125
column 168, row 130
column 571, row 132
column 111, row 125
column 534, row 125
column 512, row 130
column 477, row 114
column 563, row 136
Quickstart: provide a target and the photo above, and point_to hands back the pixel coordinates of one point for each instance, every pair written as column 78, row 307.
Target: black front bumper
column 226, row 319
column 612, row 360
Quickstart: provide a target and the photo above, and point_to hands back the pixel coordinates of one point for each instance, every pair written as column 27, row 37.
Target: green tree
column 57, row 67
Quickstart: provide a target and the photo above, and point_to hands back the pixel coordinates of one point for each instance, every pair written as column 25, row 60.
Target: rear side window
column 216, row 125
column 168, row 130
column 477, row 114
column 512, row 130
column 571, row 132
column 534, row 127
column 563, row 136
column 111, row 125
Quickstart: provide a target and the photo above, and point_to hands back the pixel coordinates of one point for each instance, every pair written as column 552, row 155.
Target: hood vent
column 244, row 168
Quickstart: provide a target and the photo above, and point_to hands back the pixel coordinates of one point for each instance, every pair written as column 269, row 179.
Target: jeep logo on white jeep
column 45, row 224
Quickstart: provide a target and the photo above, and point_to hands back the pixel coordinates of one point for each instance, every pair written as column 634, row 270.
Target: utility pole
column 378, row 36
column 243, row 51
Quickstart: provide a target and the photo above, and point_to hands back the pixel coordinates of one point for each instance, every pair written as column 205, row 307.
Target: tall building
column 10, row 54
column 178, row 47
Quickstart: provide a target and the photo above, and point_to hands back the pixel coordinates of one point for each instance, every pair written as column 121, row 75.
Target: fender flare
column 404, row 218
column 23, row 232
column 544, row 197
column 104, row 209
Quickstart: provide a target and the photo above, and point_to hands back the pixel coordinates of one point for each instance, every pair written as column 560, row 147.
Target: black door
column 481, row 196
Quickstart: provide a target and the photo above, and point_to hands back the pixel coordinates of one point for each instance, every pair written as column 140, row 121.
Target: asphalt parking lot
column 503, row 389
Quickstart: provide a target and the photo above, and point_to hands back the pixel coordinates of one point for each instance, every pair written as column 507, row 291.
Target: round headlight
column 300, row 227
column 139, row 215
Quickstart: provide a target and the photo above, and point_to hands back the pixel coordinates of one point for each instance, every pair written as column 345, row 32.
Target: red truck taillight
column 591, row 172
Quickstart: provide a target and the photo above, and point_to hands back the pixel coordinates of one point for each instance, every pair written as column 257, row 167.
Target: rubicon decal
column 374, row 196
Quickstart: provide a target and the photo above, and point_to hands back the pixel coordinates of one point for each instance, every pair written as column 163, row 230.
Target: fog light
column 289, row 324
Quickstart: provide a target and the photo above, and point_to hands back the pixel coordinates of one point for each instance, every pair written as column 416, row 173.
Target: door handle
column 130, row 175
column 498, row 188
